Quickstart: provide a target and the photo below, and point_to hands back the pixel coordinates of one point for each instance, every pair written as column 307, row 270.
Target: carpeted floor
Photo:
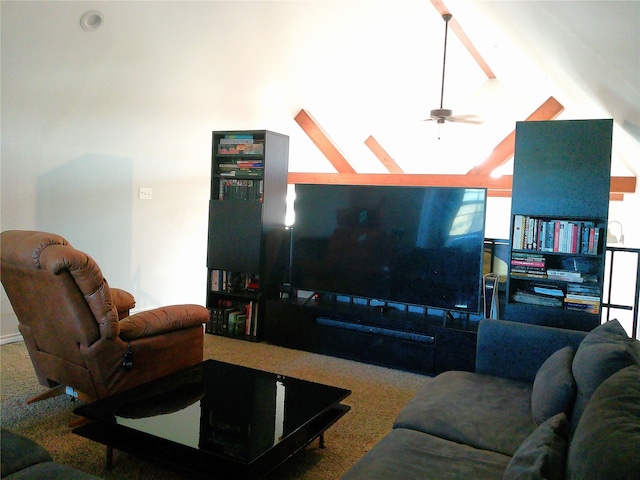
column 377, row 395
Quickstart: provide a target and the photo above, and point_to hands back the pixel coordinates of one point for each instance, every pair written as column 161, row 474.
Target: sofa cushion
column 604, row 351
column 481, row 411
column 542, row 455
column 19, row 452
column 50, row 471
column 410, row 454
column 606, row 443
column 554, row 388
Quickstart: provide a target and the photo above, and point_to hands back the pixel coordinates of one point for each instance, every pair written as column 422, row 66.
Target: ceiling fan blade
column 473, row 119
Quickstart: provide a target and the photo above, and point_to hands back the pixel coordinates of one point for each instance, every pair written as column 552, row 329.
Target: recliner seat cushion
column 482, row 411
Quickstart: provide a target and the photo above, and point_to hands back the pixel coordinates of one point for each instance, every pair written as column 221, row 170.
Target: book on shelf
column 528, row 274
column 588, row 307
column 236, row 141
column 550, row 290
column 583, row 289
column 536, row 299
column 570, row 276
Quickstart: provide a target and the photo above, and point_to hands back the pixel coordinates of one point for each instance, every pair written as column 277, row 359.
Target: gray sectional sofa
column 544, row 403
column 22, row 459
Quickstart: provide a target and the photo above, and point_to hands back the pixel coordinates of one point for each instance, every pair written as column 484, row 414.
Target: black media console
column 393, row 336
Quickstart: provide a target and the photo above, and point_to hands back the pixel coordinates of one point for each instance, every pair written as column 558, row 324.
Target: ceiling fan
column 440, row 115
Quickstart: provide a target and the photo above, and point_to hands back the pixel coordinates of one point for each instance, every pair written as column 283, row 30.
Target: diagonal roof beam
column 389, row 163
column 501, row 154
column 323, row 142
column 466, row 41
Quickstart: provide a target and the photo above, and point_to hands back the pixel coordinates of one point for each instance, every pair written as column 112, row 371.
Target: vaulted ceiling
column 587, row 54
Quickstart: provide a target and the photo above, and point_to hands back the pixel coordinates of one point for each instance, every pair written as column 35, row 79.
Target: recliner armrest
column 517, row 350
column 162, row 320
column 123, row 301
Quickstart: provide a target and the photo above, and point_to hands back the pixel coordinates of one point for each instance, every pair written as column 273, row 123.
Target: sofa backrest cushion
column 514, row 350
column 604, row 351
column 606, row 443
column 554, row 388
column 542, row 455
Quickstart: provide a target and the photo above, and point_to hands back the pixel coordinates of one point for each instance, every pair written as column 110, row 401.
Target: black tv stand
column 414, row 339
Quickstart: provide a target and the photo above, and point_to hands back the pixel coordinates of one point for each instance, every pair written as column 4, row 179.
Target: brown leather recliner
column 78, row 330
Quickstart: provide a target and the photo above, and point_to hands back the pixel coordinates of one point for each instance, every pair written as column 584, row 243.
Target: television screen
column 400, row 244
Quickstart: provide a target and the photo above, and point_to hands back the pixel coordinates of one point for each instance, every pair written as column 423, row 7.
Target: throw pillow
column 606, row 443
column 542, row 455
column 554, row 389
column 604, row 351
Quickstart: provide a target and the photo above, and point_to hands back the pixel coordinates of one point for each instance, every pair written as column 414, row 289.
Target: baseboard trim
column 15, row 337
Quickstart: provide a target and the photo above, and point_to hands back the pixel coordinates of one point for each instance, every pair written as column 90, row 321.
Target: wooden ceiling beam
column 623, row 184
column 323, row 142
column 466, row 41
column 389, row 163
column 501, row 154
column 414, row 179
column 497, row 187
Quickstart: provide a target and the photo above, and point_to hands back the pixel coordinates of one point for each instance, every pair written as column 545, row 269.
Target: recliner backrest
column 58, row 293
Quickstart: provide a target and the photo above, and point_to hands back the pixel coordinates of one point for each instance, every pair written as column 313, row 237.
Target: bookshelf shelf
column 246, row 245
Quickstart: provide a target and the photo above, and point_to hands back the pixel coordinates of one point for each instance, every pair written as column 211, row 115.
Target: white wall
column 90, row 117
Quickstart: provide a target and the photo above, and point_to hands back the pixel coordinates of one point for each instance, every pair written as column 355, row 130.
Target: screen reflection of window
column 470, row 214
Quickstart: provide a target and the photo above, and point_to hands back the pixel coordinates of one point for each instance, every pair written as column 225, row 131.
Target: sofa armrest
column 162, row 320
column 517, row 350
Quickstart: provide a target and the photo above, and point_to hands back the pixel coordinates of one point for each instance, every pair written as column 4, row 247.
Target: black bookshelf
column 246, row 253
column 560, row 204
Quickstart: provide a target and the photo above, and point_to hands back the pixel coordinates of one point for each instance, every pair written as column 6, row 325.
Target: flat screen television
column 397, row 244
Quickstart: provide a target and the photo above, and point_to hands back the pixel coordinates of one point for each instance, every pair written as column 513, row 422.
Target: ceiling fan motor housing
column 441, row 113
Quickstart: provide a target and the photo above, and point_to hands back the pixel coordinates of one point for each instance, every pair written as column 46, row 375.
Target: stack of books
column 528, row 265
column 570, row 276
column 585, row 298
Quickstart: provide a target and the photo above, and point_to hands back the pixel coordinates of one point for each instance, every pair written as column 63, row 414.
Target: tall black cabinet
column 247, row 250
column 560, row 204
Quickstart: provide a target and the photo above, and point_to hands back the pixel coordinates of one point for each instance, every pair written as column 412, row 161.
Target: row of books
column 561, row 236
column 234, row 282
column 240, row 189
column 240, row 144
column 233, row 318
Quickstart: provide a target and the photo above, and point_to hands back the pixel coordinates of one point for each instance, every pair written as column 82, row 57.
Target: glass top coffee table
column 215, row 420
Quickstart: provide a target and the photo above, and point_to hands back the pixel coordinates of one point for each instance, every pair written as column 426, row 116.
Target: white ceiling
column 361, row 67
column 595, row 43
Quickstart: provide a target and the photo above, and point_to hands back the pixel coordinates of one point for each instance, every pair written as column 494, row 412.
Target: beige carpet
column 377, row 395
